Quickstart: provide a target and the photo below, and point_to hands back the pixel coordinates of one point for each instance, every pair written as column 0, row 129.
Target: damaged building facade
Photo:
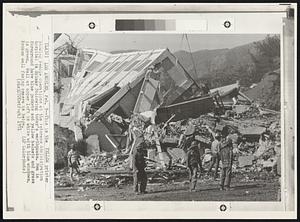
column 123, row 84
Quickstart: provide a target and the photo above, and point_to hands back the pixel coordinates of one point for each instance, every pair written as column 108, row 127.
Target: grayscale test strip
column 145, row 25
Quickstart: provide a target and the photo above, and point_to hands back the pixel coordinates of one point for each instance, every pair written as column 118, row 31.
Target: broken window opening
column 167, row 64
column 120, row 112
column 71, row 67
column 98, row 104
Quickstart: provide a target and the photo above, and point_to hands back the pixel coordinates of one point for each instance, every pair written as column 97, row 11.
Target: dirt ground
column 261, row 190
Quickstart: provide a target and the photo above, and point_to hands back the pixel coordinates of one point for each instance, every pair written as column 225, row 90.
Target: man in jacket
column 73, row 161
column 139, row 173
column 215, row 149
column 226, row 156
column 193, row 163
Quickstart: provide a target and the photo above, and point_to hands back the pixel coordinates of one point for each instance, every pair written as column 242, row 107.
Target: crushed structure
column 109, row 95
column 126, row 83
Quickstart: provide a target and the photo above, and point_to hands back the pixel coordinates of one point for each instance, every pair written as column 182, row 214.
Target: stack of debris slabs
column 104, row 161
column 256, row 139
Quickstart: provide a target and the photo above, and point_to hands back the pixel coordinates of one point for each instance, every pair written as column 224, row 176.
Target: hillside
column 250, row 63
column 247, row 63
column 267, row 91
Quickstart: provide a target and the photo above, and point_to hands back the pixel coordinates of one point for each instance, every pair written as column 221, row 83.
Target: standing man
column 193, row 163
column 215, row 149
column 188, row 137
column 73, row 161
column 226, row 156
column 139, row 173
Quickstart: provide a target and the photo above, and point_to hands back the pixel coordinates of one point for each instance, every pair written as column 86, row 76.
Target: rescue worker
column 188, row 137
column 226, row 156
column 139, row 173
column 73, row 161
column 215, row 159
column 193, row 163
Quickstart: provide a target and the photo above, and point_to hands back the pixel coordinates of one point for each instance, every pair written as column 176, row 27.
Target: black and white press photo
column 167, row 117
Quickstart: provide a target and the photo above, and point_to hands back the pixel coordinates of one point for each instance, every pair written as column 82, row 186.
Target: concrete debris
column 245, row 160
column 270, row 163
column 240, row 109
column 255, row 136
column 92, row 145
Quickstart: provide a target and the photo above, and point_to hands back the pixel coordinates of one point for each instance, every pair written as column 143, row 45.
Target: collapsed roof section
column 123, row 84
column 105, row 74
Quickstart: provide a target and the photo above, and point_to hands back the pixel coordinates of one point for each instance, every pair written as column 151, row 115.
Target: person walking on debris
column 215, row 159
column 226, row 156
column 139, row 173
column 73, row 161
column 187, row 137
column 193, row 163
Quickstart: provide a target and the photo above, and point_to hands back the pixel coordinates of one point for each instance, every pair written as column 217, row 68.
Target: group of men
column 221, row 150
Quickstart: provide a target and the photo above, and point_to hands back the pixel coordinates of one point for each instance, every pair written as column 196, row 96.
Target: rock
column 245, row 160
column 269, row 163
column 239, row 109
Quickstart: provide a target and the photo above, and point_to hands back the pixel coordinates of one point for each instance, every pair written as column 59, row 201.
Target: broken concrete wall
column 99, row 129
column 92, row 145
column 128, row 102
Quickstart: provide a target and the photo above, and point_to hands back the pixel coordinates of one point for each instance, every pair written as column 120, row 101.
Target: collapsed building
column 123, row 84
column 107, row 90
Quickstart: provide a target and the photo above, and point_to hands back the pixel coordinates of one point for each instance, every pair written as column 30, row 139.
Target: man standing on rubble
column 73, row 161
column 226, row 156
column 187, row 137
column 193, row 163
column 139, row 173
column 215, row 149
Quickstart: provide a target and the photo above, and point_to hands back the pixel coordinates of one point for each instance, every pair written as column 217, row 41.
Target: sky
column 174, row 42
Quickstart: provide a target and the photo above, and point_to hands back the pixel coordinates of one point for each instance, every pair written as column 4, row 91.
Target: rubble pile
column 256, row 146
column 104, row 161
column 112, row 179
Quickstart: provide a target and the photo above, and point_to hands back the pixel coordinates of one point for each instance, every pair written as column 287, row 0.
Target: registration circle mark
column 92, row 25
column 227, row 24
column 97, row 206
column 223, row 207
